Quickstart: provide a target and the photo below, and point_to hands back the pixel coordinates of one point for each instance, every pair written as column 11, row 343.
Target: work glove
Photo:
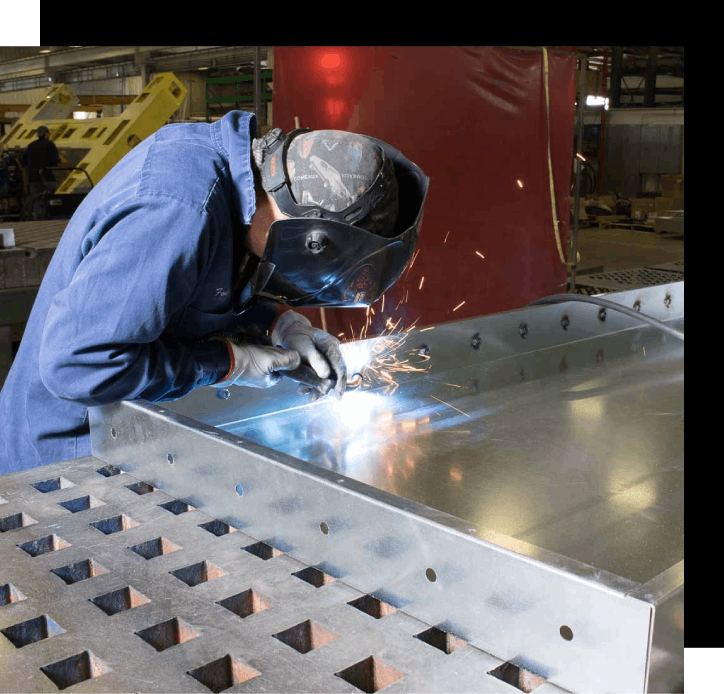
column 255, row 366
column 317, row 348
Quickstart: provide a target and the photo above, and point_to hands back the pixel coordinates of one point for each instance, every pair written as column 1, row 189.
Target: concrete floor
column 622, row 249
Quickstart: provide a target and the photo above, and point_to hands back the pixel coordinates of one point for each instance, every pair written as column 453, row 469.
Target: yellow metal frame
column 104, row 141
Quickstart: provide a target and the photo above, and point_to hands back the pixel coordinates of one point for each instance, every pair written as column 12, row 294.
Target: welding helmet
column 350, row 235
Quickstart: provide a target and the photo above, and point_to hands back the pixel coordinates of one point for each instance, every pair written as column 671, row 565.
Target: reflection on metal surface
column 571, row 479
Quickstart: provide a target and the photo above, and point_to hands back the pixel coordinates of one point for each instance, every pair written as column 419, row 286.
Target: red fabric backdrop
column 474, row 120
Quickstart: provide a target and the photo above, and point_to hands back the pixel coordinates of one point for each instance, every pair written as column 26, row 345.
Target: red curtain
column 474, row 119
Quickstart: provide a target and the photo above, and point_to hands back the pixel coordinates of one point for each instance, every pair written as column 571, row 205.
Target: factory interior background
column 553, row 170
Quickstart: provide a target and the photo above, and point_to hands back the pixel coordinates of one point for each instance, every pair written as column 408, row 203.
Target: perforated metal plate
column 624, row 280
column 107, row 585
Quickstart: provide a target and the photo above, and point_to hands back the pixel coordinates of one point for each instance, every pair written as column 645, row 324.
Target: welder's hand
column 317, row 348
column 256, row 366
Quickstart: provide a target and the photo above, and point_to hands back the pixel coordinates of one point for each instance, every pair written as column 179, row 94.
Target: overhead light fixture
column 45, row 50
column 203, row 68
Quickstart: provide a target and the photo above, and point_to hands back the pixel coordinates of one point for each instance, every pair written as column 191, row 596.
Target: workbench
column 507, row 518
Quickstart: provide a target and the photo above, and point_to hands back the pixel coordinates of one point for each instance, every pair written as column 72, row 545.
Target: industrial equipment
column 91, row 148
column 498, row 507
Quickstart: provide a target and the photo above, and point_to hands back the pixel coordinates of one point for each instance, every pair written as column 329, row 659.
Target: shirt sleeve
column 103, row 338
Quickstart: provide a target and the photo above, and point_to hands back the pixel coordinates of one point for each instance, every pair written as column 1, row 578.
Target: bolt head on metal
column 522, row 330
column 423, row 350
column 667, row 301
column 637, row 306
column 476, row 341
column 565, row 322
column 223, row 394
column 602, row 315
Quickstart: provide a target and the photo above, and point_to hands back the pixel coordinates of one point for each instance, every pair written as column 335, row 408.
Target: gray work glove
column 255, row 366
column 317, row 348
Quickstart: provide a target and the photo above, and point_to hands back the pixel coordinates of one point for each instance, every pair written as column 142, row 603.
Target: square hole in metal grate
column 372, row 606
column 24, row 633
column 441, row 640
column 155, row 548
column 306, row 636
column 78, row 668
column 198, row 573
column 370, row 675
column 518, row 677
column 120, row 600
column 263, row 550
column 141, row 488
column 171, row 633
column 53, row 485
column 109, row 471
column 82, row 503
column 177, row 507
column 246, row 603
column 9, row 594
column 17, row 520
column 217, row 527
column 223, row 673
column 116, row 524
column 314, row 576
column 80, row 571
column 43, row 545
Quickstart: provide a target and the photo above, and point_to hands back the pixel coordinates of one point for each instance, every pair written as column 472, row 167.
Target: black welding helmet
column 355, row 205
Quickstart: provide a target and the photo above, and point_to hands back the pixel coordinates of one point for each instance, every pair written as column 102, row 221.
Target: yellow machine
column 93, row 147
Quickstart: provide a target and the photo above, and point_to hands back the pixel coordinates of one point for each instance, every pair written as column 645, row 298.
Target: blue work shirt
column 143, row 272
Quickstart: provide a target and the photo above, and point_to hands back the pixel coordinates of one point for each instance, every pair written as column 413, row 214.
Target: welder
column 182, row 268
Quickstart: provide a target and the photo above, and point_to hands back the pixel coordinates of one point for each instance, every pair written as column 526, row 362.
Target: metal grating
column 204, row 617
column 634, row 278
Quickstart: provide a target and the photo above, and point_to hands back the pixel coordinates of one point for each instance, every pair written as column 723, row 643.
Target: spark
column 373, row 311
column 407, row 293
column 421, row 281
column 414, row 258
column 449, row 405
column 458, row 306
column 424, row 329
column 454, row 385
column 580, row 156
column 383, row 304
column 520, row 183
column 340, row 335
column 480, row 254
column 412, row 325
column 446, row 235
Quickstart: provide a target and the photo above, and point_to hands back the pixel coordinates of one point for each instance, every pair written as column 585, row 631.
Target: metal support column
column 602, row 145
column 577, row 160
column 650, row 88
column 616, row 65
column 257, row 87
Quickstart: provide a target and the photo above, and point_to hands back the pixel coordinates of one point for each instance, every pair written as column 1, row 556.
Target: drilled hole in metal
column 566, row 633
column 430, row 575
column 372, row 606
column 80, row 571
column 120, row 600
column 370, row 675
column 43, row 545
column 198, row 573
column 324, row 528
column 246, row 603
column 239, row 490
column 167, row 634
column 517, row 677
column 306, row 636
column 223, row 673
column 78, row 668
column 113, row 433
column 33, row 630
column 169, row 457
column 441, row 640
